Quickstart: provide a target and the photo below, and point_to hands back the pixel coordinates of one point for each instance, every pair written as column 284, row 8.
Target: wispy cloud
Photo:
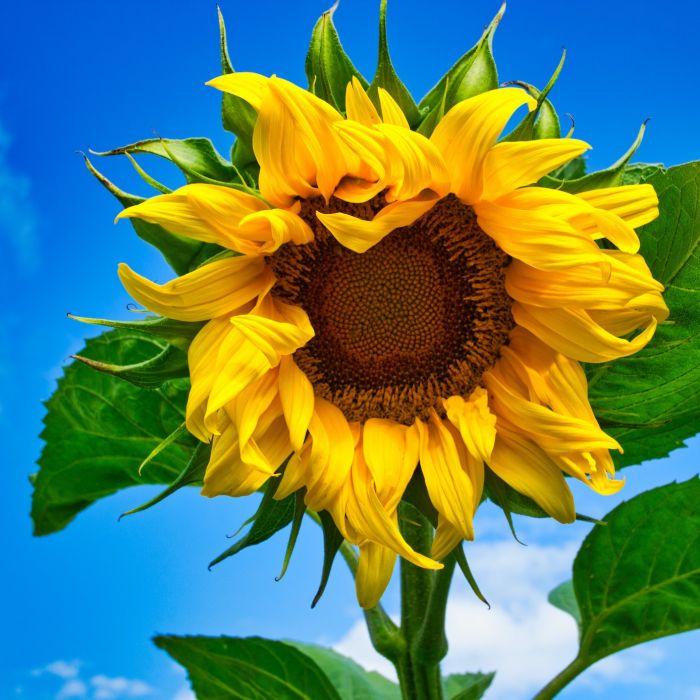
column 18, row 219
column 108, row 688
column 523, row 638
column 97, row 687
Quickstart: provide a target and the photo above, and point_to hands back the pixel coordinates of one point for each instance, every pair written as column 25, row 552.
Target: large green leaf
column 252, row 668
column 349, row 678
column 328, row 68
column 564, row 598
column 651, row 401
column 467, row 686
column 98, row 430
column 638, row 577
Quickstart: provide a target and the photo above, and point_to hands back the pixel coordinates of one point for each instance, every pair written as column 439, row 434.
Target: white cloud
column 18, row 221
column 60, row 668
column 73, row 688
column 522, row 637
column 107, row 688
column 184, row 694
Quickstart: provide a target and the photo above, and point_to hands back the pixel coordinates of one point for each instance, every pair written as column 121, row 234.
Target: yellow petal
column 582, row 286
column 391, row 453
column 358, row 105
column 331, row 454
column 475, row 422
column 391, row 112
column 215, row 289
column 360, row 235
column 255, row 346
column 373, row 573
column 263, row 232
column 416, row 164
column 635, row 204
column 469, row 130
column 510, row 165
column 250, row 87
column 299, row 152
column 534, row 237
column 525, row 467
column 446, row 538
column 297, row 396
column 449, row 487
column 552, row 431
column 574, row 333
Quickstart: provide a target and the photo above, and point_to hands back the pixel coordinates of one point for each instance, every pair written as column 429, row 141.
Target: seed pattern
column 417, row 318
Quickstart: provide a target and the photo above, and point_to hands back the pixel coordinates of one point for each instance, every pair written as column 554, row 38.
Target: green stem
column 562, row 680
column 417, row 587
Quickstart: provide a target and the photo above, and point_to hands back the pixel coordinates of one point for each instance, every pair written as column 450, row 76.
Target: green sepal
column 192, row 474
column 475, row 72
column 332, row 539
column 461, row 558
column 386, row 77
column 573, row 170
column 182, row 254
column 610, row 177
column 195, row 157
column 328, row 68
column 299, row 510
column 237, row 116
column 177, row 333
column 272, row 515
column 152, row 182
column 167, row 363
column 542, row 122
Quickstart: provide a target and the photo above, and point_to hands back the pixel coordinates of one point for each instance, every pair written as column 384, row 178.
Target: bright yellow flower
column 398, row 301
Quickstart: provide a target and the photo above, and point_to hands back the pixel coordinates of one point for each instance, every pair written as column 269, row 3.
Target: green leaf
column 332, row 539
column 650, row 401
column 573, row 170
column 177, row 333
column 270, row 518
column 328, row 68
column 564, row 598
column 165, row 363
column 610, row 177
column 467, row 686
column 182, row 254
column 98, row 430
column 237, row 116
column 386, row 77
column 197, row 158
column 475, row 72
column 248, row 668
column 192, row 474
column 350, row 680
column 638, row 578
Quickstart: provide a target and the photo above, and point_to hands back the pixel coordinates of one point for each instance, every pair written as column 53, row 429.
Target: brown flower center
column 417, row 318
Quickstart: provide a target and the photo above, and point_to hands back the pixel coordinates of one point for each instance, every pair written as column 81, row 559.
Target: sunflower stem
column 420, row 677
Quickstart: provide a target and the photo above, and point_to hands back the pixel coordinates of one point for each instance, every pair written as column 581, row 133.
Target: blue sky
column 80, row 606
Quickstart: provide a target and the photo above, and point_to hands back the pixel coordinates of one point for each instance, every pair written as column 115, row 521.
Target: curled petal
column 360, row 235
column 215, row 289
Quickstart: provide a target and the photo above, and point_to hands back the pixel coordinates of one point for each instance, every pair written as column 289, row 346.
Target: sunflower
column 395, row 303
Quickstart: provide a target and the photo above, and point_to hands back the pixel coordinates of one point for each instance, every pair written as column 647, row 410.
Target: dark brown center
column 417, row 318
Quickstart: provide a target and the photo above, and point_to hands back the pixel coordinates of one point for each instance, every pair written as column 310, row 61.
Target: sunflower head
column 401, row 297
